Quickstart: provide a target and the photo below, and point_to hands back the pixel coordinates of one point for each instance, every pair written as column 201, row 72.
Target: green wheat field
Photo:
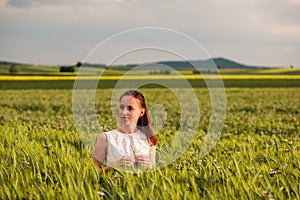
column 256, row 157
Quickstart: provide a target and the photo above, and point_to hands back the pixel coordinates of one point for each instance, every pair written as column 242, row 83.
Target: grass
column 271, row 78
column 104, row 84
column 257, row 157
column 149, row 77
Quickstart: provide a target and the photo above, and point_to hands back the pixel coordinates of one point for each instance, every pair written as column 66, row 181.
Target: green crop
column 257, row 156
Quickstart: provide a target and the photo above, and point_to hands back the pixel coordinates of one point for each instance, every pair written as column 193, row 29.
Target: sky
column 61, row 32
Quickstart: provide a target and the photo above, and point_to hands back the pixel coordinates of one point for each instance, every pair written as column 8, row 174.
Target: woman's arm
column 100, row 165
column 152, row 156
column 100, row 153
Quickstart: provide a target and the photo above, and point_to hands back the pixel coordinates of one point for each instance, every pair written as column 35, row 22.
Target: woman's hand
column 124, row 161
column 143, row 160
column 140, row 161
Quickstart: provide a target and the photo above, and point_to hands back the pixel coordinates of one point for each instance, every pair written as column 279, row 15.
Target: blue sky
column 52, row 32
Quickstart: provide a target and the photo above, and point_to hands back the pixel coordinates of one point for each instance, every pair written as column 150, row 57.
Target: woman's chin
column 126, row 123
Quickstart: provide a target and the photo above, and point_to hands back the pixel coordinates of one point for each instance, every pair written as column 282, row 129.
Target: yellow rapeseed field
column 145, row 77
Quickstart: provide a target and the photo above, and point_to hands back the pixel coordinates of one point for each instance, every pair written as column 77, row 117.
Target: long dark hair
column 143, row 123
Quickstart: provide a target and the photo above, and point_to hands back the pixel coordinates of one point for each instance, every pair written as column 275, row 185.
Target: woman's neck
column 127, row 129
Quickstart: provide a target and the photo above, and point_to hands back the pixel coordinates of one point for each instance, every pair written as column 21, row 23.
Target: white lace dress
column 120, row 144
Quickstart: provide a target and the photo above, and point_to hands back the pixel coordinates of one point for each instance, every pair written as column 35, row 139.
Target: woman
column 133, row 142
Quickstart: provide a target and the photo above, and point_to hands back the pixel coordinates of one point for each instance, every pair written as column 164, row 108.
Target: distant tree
column 291, row 66
column 167, row 72
column 67, row 69
column 14, row 69
column 78, row 64
column 153, row 72
column 196, row 72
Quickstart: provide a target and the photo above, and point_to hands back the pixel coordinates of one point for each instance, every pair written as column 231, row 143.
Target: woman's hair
column 144, row 123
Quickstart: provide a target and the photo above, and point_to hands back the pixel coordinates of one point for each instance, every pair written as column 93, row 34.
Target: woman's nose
column 124, row 111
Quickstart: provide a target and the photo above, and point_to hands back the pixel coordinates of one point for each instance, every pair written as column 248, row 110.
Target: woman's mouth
column 125, row 118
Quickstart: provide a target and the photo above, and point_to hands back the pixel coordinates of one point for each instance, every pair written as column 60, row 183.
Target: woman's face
column 130, row 110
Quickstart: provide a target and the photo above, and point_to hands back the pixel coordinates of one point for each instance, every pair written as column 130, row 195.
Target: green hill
column 224, row 65
column 207, row 64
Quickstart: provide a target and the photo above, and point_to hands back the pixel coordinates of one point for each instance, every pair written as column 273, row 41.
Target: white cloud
column 212, row 22
column 32, row 3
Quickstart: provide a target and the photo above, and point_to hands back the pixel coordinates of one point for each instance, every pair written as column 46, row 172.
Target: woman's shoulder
column 106, row 134
column 102, row 137
column 111, row 134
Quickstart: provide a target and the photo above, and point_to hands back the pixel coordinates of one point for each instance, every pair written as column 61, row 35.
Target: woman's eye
column 129, row 108
column 121, row 107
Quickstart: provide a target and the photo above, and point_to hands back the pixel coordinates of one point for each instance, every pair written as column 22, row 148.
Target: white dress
column 121, row 144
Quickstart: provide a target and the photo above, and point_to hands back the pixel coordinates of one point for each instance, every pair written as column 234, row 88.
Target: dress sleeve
column 101, row 148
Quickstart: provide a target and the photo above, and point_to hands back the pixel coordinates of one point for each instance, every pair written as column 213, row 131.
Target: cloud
column 218, row 24
column 28, row 3
column 31, row 3
column 279, row 11
column 19, row 4
column 277, row 19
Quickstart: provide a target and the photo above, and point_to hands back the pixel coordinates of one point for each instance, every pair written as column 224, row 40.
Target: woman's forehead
column 129, row 100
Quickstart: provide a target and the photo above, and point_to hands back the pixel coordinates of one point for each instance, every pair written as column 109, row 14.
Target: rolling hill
column 207, row 64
